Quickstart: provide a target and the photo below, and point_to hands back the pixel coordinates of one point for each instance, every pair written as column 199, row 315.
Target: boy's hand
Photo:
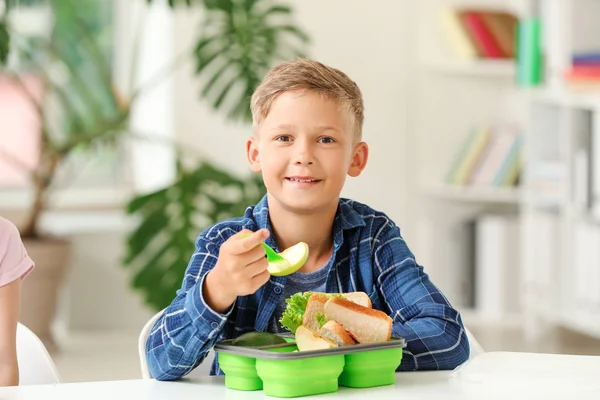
column 240, row 270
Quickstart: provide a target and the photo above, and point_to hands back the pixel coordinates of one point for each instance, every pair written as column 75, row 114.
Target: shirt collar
column 346, row 218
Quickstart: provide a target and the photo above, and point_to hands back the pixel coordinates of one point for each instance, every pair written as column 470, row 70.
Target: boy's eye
column 283, row 138
column 327, row 140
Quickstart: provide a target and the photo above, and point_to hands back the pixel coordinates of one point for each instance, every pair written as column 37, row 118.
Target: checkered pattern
column 370, row 255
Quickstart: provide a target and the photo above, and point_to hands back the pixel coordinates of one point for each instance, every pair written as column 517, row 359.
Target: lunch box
column 283, row 371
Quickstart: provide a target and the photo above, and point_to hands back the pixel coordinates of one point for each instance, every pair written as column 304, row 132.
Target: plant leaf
column 4, row 42
column 175, row 3
column 251, row 43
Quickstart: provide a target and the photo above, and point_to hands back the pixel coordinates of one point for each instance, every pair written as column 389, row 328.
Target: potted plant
column 242, row 39
column 64, row 76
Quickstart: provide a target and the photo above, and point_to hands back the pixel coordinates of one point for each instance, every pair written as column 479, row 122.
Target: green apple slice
column 307, row 339
column 293, row 259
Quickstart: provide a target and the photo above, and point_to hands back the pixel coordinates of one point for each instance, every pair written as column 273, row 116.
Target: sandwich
column 325, row 320
column 365, row 324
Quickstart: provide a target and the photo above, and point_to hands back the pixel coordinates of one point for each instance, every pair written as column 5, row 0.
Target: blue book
column 586, row 58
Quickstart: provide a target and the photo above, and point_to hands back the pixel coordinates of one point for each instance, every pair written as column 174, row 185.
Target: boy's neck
column 315, row 229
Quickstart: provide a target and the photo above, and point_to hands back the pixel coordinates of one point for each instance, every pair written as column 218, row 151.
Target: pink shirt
column 14, row 261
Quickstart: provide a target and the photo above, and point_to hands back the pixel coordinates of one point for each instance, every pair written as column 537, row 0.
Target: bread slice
column 366, row 324
column 336, row 332
column 359, row 298
column 314, row 306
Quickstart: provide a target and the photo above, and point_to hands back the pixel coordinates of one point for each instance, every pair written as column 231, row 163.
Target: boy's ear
column 360, row 155
column 252, row 154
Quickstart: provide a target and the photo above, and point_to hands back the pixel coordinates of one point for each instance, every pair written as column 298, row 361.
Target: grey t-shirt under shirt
column 298, row 282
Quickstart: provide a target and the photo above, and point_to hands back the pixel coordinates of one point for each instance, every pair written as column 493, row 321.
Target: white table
column 490, row 375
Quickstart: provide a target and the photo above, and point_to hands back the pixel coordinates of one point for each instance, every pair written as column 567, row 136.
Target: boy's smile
column 304, row 148
column 303, row 182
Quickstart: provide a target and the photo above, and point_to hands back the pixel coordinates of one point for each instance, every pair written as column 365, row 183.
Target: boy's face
column 304, row 148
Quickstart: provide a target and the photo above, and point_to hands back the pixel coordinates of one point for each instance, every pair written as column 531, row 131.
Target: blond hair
column 303, row 74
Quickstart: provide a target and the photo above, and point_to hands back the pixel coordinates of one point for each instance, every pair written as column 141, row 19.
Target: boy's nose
column 304, row 155
column 303, row 159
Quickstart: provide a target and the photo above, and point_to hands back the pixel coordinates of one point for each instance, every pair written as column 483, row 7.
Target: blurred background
column 122, row 131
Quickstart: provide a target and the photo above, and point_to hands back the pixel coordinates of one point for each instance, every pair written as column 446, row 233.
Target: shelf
column 564, row 97
column 474, row 194
column 477, row 68
column 547, row 201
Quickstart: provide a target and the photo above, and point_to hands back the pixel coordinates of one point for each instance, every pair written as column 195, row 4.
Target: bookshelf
column 561, row 261
column 455, row 94
column 557, row 202
column 562, row 97
column 471, row 194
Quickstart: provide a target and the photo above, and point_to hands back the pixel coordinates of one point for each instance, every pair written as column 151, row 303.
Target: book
column 589, row 58
column 472, row 156
column 508, row 173
column 583, row 72
column 484, row 39
column 496, row 157
column 457, row 35
column 502, row 26
column 497, row 280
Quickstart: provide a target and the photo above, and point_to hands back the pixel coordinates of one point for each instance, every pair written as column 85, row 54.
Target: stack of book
column 584, row 73
column 477, row 34
column 489, row 156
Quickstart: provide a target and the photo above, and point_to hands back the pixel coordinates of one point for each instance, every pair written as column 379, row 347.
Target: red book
column 481, row 35
column 583, row 72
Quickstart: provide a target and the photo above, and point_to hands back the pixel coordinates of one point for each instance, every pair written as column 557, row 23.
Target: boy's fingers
column 260, row 279
column 247, row 240
column 256, row 254
column 257, row 267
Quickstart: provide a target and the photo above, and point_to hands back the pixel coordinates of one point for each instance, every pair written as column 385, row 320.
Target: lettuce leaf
column 321, row 320
column 291, row 318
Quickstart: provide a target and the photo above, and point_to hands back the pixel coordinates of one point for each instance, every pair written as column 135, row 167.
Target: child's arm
column 434, row 331
column 9, row 312
column 194, row 322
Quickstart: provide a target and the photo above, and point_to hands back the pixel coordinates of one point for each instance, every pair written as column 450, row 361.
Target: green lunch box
column 283, row 371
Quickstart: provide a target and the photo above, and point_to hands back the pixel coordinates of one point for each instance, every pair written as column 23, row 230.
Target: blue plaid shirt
column 369, row 255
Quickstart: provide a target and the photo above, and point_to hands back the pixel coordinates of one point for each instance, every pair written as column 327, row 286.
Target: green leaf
column 224, row 91
column 201, row 45
column 140, row 202
column 151, row 226
column 4, row 42
column 321, row 320
column 279, row 9
column 292, row 317
column 223, row 5
column 175, row 3
column 294, row 30
column 209, row 85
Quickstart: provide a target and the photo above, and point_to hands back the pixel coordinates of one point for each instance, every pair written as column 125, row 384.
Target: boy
column 307, row 121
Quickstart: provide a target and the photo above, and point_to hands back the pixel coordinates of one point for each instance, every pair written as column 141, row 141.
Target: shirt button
column 277, row 290
column 214, row 325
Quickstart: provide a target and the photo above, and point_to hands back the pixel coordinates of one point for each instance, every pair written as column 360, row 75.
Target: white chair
column 35, row 364
column 475, row 346
column 142, row 344
column 202, row 370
